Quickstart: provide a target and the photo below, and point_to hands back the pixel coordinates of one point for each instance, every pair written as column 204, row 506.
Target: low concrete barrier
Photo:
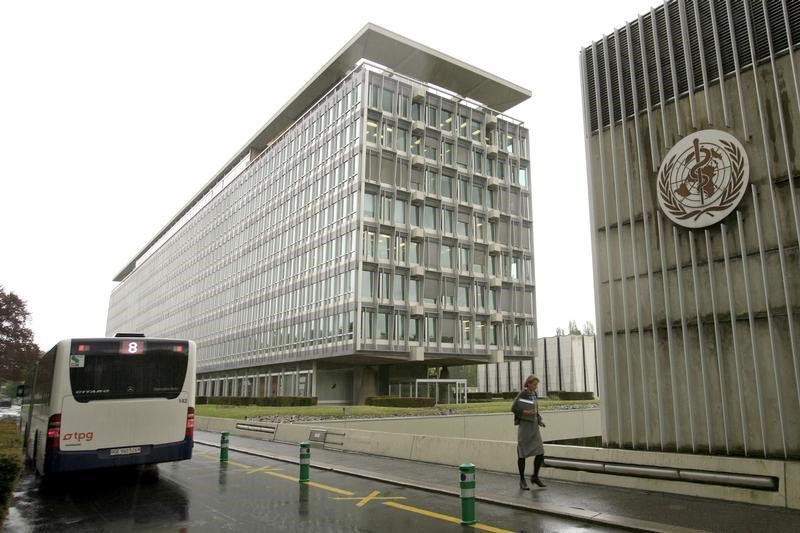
column 561, row 425
column 500, row 456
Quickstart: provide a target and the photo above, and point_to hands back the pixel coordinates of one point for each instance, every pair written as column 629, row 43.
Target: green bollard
column 223, row 447
column 467, row 494
column 305, row 461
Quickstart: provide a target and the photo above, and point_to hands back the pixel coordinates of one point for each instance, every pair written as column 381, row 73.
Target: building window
column 388, row 101
column 387, row 135
column 480, row 332
column 384, row 246
column 466, row 331
column 402, row 140
column 462, row 227
column 368, row 244
column 476, row 130
column 400, row 327
column 463, row 259
column 384, row 286
column 447, row 256
column 523, row 177
column 432, row 122
column 400, row 249
column 477, row 162
column 372, row 131
column 430, row 328
column 510, row 143
column 416, row 111
column 367, row 320
column 429, row 217
column 399, row 288
column 480, row 231
column 480, row 296
column 447, row 222
column 416, row 142
column 431, row 178
column 463, row 125
column 477, row 194
column 413, row 253
column 367, row 278
column 447, row 186
column 463, row 296
column 414, row 328
column 447, row 153
column 403, row 105
column 383, row 326
column 446, row 123
column 386, row 207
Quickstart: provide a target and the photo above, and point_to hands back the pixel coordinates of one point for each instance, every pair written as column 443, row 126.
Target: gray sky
column 113, row 114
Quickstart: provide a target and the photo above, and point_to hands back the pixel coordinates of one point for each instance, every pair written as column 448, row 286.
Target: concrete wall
column 561, row 425
column 698, row 330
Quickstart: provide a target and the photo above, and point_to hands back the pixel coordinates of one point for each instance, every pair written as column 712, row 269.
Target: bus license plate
column 126, row 451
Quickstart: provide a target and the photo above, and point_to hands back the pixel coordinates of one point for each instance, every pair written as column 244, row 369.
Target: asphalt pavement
column 602, row 505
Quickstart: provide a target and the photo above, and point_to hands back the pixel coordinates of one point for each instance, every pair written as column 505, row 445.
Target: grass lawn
column 322, row 411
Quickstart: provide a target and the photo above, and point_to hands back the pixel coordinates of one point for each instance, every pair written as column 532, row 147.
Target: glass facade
column 357, row 231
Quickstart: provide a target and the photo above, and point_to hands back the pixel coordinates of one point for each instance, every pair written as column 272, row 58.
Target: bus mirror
column 22, row 391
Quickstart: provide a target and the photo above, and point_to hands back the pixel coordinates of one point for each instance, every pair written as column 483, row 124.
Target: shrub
column 393, row 401
column 275, row 401
column 569, row 395
column 10, row 461
column 510, row 395
column 479, row 396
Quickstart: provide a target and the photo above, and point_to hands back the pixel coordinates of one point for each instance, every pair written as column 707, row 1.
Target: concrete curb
column 607, row 519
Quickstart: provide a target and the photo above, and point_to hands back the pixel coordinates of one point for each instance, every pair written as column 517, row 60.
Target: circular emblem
column 703, row 178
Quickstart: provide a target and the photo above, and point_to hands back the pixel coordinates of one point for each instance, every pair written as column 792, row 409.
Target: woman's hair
column 531, row 377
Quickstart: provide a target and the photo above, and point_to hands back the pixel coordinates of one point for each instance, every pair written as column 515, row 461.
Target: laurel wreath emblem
column 729, row 195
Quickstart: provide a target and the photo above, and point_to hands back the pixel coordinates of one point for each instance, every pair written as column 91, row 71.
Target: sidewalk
column 609, row 506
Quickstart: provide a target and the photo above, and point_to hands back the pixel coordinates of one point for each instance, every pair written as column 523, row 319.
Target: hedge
column 394, row 401
column 275, row 401
column 570, row 395
column 479, row 396
column 10, row 461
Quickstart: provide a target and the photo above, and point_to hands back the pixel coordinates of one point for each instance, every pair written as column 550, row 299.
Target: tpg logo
column 79, row 436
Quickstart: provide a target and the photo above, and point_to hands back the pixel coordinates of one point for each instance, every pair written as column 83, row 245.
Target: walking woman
column 529, row 438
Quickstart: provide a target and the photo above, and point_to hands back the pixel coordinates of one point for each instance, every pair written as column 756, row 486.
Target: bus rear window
column 103, row 372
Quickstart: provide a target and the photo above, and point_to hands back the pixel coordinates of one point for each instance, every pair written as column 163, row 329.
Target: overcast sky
column 114, row 114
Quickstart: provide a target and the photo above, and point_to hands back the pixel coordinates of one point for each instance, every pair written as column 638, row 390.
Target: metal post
column 223, row 447
column 467, row 478
column 305, row 461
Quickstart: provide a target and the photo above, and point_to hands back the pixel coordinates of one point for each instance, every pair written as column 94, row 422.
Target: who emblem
column 703, row 178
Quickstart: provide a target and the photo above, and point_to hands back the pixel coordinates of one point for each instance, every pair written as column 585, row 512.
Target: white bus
column 104, row 402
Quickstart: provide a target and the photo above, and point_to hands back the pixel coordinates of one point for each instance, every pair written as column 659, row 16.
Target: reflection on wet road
column 247, row 494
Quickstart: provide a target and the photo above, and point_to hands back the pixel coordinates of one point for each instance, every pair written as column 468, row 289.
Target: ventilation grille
column 661, row 43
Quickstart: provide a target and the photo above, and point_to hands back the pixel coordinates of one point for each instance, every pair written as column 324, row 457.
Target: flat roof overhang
column 388, row 49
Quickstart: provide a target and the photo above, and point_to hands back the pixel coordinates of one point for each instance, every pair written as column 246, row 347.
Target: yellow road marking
column 329, row 488
column 361, row 500
column 423, row 512
column 372, row 496
column 446, row 518
column 263, row 469
column 492, row 529
column 284, row 476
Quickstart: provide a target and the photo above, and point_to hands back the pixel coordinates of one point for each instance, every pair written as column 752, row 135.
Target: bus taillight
column 190, row 423
column 53, row 430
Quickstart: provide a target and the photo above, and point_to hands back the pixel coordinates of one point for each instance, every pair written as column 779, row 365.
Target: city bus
column 107, row 402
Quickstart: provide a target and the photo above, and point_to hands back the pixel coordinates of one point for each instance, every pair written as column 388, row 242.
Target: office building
column 378, row 224
column 692, row 113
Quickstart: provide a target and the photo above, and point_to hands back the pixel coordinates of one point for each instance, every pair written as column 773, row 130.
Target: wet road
column 247, row 494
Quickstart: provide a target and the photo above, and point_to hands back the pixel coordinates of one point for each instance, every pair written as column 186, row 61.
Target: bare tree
column 588, row 328
column 573, row 328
